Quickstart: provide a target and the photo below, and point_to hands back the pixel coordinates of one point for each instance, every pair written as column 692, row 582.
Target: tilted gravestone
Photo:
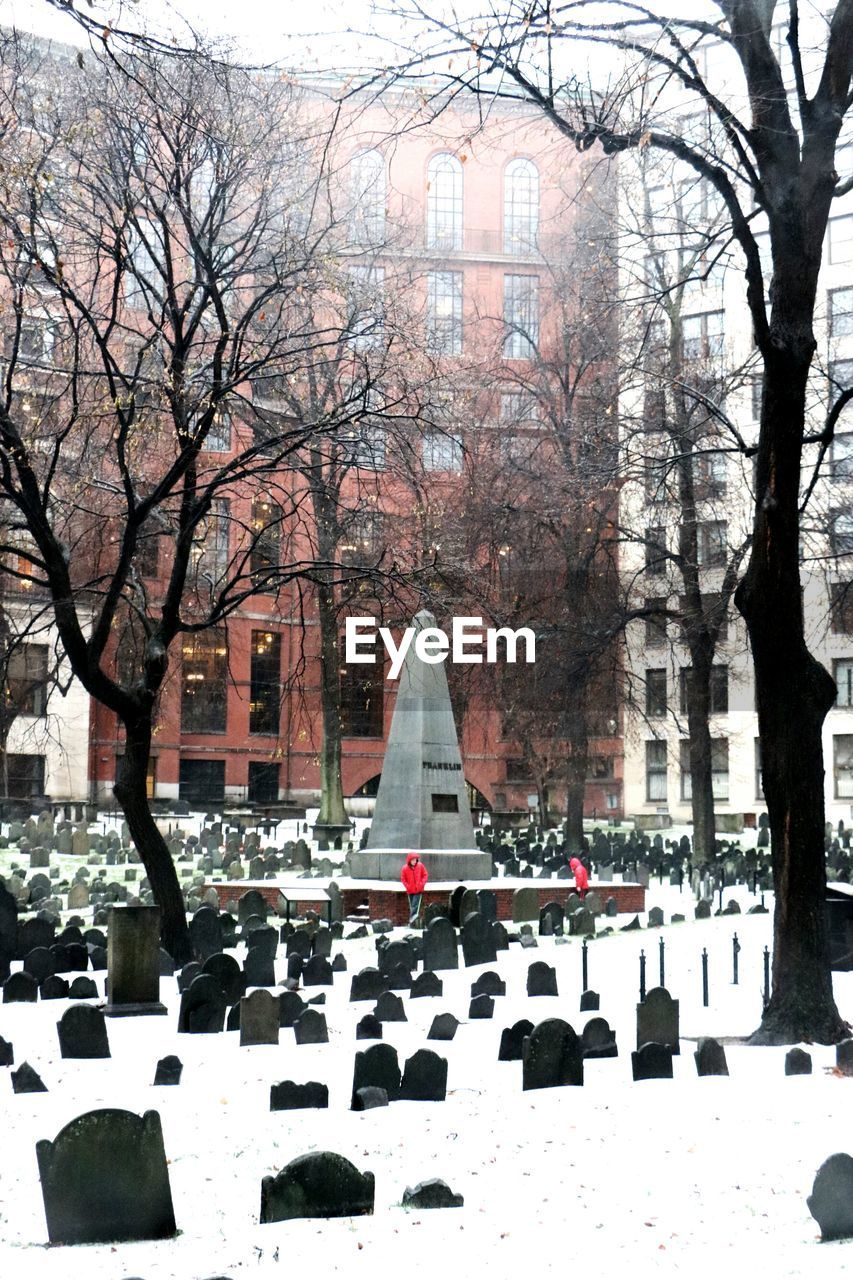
column 321, row 1184
column 443, row 1027
column 104, row 1178
column 657, row 1019
column 227, row 972
column 434, row 1193
column 202, row 1010
column 482, row 1006
column 288, row 1096
column 317, row 972
column 7, row 1053
column 551, row 1056
column 377, row 1066
column 512, row 1041
column 710, row 1058
column 652, row 1062
column 831, row 1200
column 168, row 1070
column 259, row 1014
column 27, row 1080
column 424, row 1078
column 290, row 1007
column 83, row 1033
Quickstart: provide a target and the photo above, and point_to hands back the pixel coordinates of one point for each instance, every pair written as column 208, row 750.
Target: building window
column 656, row 691
column 702, row 336
column 655, row 548
column 843, row 673
column 713, row 614
column 218, row 439
column 367, row 194
column 441, row 451
column 712, row 543
column 201, row 783
column 444, row 202
column 841, row 533
column 204, row 682
column 265, row 682
column 25, row 776
column 656, row 467
column 841, row 238
column 368, row 310
column 263, row 782
column 841, row 457
column 841, row 608
column 842, row 761
column 210, row 547
column 759, row 781
column 362, row 701
column 266, row 535
column 521, row 206
column 521, row 316
column 362, row 538
column 519, row 407
column 26, row 680
column 656, row 625
column 710, row 474
column 718, row 690
column 719, row 769
column 656, row 771
column 444, row 312
column 36, row 341
column 142, row 280
column 840, row 308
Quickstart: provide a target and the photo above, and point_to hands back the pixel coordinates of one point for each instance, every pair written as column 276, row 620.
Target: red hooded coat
column 580, row 873
column 414, row 875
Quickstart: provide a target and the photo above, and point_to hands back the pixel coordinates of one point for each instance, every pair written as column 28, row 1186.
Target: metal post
column 754, row 881
column 735, row 951
column 721, row 895
column 661, row 949
column 766, row 976
column 642, row 976
column 705, row 977
column 584, row 966
column 680, row 879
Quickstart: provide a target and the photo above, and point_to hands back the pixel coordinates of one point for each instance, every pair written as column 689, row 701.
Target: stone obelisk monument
column 422, row 804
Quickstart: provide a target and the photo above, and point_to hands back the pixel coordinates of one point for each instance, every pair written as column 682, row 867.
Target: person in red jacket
column 414, row 877
column 581, row 877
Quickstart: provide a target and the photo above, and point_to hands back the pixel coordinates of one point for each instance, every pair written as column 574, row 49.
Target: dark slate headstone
column 317, row 972
column 205, row 933
column 83, row 988
column 844, row 1057
column 597, row 1040
column 557, row 916
column 377, row 1066
column 541, row 979
column 710, row 1058
column 656, row 917
column 703, row 910
column 27, row 1080
column 652, row 1062
column 482, row 1006
column 798, row 1063
column 259, row 968
column 590, row 1001
column 290, row 1007
column 298, row 944
column 432, row 1194
column 54, row 988
column 252, row 903
column 83, row 1033
column 7, row 1053
column 551, row 1056
column 424, row 1078
column 477, row 943
column 227, row 972
column 426, row 984
column 168, row 1071
column 512, row 1041
column 390, row 1008
column 20, row 988
column 443, row 1027
column 440, row 948
column 202, row 1007
column 831, row 1200
column 310, row 1028
column 187, row 975
column 259, row 1014
column 104, row 1178
column 369, row 1097
column 657, row 1019
column 489, row 984
column 368, row 1028
column 394, row 953
column 500, row 939
column 368, row 984
column 288, row 1096
column 39, row 963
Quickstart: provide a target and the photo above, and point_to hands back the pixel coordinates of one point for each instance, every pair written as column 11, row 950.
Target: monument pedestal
column 442, row 864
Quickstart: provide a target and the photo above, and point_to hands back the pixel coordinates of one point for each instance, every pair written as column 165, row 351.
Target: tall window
column 521, row 206
column 841, row 608
column 841, row 533
column 713, row 615
column 204, row 682
column 842, row 765
column 521, row 316
column 25, row 775
column 712, row 543
column 840, row 310
column 367, row 194
column 656, row 691
column 265, row 682
column 702, row 336
column 202, row 782
column 142, row 278
column 719, row 769
column 844, row 679
column 210, row 549
column 266, row 534
column 366, row 306
column 841, row 460
column 444, row 312
column 655, row 548
column 362, row 701
column 710, row 474
column 363, row 537
column 656, row 770
column 442, row 452
column 219, row 436
column 718, row 689
column 444, row 202
column 263, row 782
column 841, row 238
column 26, row 679
column 655, row 626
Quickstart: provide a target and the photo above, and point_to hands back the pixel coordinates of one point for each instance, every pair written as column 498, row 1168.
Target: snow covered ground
column 659, row 1178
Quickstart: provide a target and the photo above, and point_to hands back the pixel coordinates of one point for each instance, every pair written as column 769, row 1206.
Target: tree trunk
column 576, row 771
column 332, row 811
column 793, row 695
column 130, row 791
column 701, row 773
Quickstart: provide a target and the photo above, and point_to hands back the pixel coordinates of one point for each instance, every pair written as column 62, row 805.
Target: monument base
column 133, row 1010
column 441, row 864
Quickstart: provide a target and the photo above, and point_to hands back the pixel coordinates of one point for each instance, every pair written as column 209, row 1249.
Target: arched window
column 367, row 198
column 521, row 206
column 444, row 202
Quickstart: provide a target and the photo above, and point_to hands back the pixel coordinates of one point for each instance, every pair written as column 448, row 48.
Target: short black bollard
column 584, row 969
column 642, row 976
column 754, row 882
column 721, row 895
column 705, row 977
column 766, row 976
column 762, row 899
column 735, row 952
column 660, row 872
column 661, row 949
column 680, row 879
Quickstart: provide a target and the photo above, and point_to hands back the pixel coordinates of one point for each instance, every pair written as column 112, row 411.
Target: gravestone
column 20, row 988
column 541, row 979
column 440, row 949
column 490, row 984
column 7, row 1053
column 321, row 1184
column 512, row 1041
column 656, row 917
column 424, row 1078
column 500, row 939
column 590, row 1001
column 288, row 1096
column 83, row 988
column 187, row 975
column 703, row 910
column 252, row 903
column 831, row 1200
column 434, row 1193
column 377, row 1066
column 105, row 1179
column 844, row 1057
column 798, row 1063
column 228, row 974
column 54, row 988
column 443, row 1027
column 426, row 984
column 317, row 972
column 133, row 962
column 652, row 1062
column 259, row 1014
column 168, row 1070
column 205, row 933
column 710, row 1058
column 390, row 1008
column 259, row 966
column 83, row 1033
column 597, row 1040
column 555, row 911
column 368, row 1098
column 290, row 1007
column 27, row 1080
column 477, row 944
column 367, row 984
column 482, row 1006
column 657, row 1019
column 310, row 1028
column 551, row 1056
column 368, row 1028
column 202, row 1010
